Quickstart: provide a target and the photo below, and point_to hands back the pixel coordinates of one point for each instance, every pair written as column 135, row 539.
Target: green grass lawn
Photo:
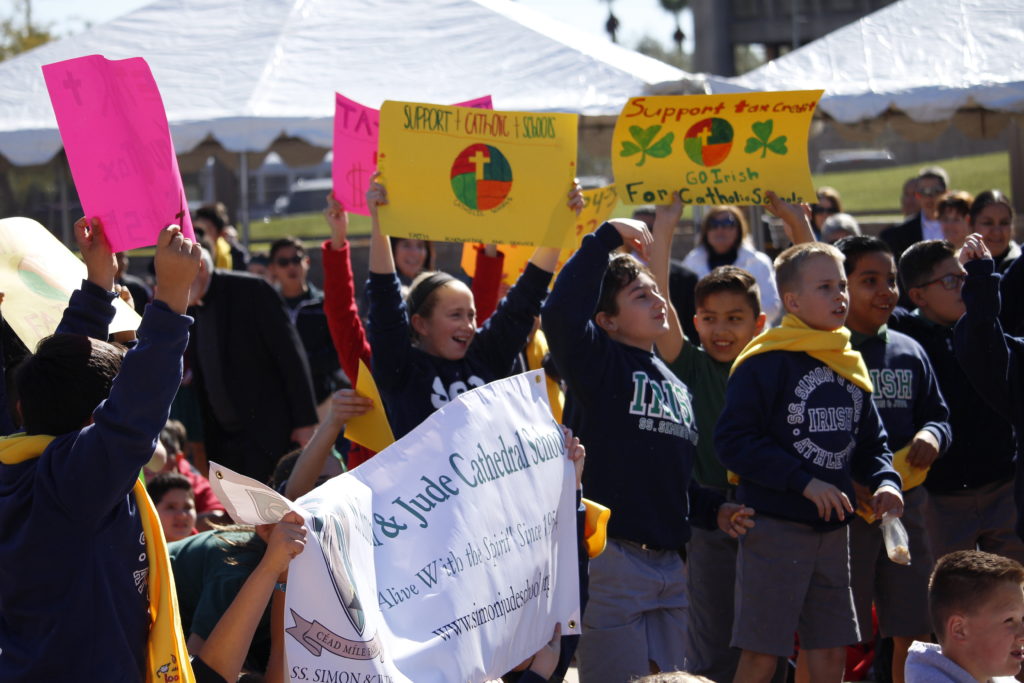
column 879, row 189
column 875, row 191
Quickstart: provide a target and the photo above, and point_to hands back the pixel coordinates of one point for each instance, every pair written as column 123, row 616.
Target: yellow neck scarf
column 831, row 348
column 166, row 648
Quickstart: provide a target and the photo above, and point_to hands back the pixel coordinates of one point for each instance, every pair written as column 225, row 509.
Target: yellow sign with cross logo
column 714, row 149
column 458, row 174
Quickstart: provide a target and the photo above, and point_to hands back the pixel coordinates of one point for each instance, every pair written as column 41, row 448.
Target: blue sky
column 637, row 17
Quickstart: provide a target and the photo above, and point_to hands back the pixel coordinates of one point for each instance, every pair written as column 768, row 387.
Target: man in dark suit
column 931, row 183
column 251, row 372
column 923, row 225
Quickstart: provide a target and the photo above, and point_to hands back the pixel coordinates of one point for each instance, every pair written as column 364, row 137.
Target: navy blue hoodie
column 412, row 382
column 633, row 415
column 906, row 391
column 982, row 451
column 73, row 591
column 789, row 418
column 992, row 360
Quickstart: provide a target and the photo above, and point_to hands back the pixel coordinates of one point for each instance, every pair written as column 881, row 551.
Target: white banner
column 449, row 556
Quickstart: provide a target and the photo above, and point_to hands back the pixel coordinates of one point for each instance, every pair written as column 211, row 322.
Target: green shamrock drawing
column 762, row 140
column 660, row 149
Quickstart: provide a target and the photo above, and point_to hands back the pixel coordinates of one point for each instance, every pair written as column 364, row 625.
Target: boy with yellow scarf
column 798, row 426
column 85, row 585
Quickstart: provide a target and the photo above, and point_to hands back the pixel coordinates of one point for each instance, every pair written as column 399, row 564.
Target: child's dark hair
column 622, row 269
column 285, row 242
column 856, row 246
column 729, row 279
column 159, row 485
column 958, row 201
column 61, row 384
column 790, row 262
column 964, row 580
column 986, row 199
column 174, row 437
column 919, row 261
column 429, row 263
column 217, row 214
column 423, row 291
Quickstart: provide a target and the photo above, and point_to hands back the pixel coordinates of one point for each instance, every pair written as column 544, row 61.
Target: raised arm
column 381, row 259
column 121, row 439
column 347, row 332
column 795, row 218
column 91, row 308
column 980, row 344
column 226, row 648
column 666, row 217
column 345, row 404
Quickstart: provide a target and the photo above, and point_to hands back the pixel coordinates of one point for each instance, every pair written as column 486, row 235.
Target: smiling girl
column 426, row 348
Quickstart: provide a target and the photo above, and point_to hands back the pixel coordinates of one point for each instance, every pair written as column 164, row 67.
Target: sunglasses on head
column 284, row 261
column 724, row 222
column 949, row 282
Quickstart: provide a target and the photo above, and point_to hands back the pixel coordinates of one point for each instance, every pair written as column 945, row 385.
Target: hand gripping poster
column 449, row 556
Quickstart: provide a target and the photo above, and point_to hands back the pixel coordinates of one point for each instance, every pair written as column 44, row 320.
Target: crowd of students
column 750, row 441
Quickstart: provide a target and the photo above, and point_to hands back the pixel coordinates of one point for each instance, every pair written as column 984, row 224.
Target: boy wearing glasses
column 970, row 488
column 289, row 267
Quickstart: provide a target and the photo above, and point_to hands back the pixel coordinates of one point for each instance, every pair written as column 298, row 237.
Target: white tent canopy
column 925, row 58
column 254, row 75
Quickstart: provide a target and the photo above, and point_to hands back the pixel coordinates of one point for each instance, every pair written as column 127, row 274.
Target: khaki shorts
column 791, row 578
column 899, row 592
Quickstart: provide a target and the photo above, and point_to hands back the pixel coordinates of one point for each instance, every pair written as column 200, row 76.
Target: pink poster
column 115, row 133
column 355, row 149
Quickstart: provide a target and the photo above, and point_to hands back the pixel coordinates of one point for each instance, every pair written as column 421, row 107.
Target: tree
column 653, row 48
column 19, row 36
column 676, row 8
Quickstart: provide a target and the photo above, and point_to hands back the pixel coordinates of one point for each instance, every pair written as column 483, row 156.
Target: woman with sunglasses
column 725, row 241
column 829, row 204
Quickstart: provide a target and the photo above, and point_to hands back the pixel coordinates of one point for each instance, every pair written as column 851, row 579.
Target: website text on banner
column 714, row 149
column 449, row 556
column 354, row 159
column 37, row 276
column 600, row 201
column 470, row 175
column 114, row 129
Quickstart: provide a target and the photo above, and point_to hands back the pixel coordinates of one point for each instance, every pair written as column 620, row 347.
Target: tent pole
column 1017, row 169
column 243, row 208
column 65, row 210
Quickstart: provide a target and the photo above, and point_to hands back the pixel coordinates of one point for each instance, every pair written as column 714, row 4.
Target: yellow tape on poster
column 37, row 276
column 456, row 174
column 715, row 149
column 600, row 203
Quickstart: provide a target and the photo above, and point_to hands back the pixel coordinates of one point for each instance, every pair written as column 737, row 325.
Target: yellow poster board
column 457, row 174
column 600, row 202
column 715, row 149
column 37, row 276
column 371, row 429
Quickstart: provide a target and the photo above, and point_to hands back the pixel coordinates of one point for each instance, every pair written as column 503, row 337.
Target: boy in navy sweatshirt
column 74, row 571
column 970, row 488
column 991, row 358
column 636, row 419
column 798, row 426
column 916, row 420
